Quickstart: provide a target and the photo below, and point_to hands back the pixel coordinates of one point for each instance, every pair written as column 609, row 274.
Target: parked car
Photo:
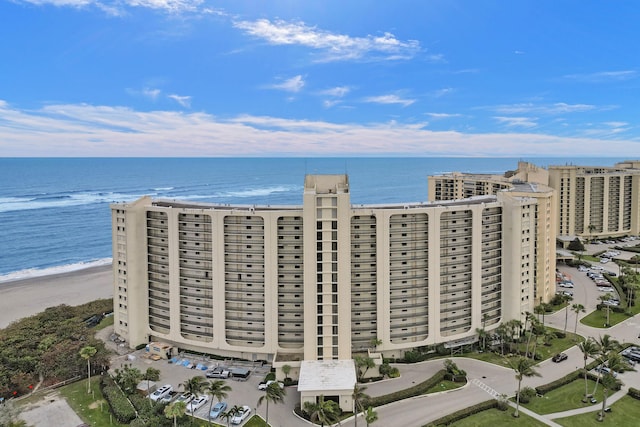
column 161, row 392
column 241, row 416
column 169, row 397
column 559, row 357
column 217, row 409
column 218, row 372
column 605, row 370
column 565, row 284
column 263, row 386
column 197, row 403
column 186, row 397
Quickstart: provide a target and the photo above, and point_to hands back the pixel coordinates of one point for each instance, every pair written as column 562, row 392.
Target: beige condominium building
column 597, row 201
column 528, row 181
column 319, row 282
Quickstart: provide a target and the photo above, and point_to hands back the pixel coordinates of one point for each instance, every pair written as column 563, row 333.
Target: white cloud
column 185, row 101
column 390, row 99
column 116, row 7
column 525, row 122
column 442, row 115
column 442, row 92
column 151, row 93
column 338, row 91
column 333, row 46
column 603, row 76
column 104, row 131
column 294, row 84
column 557, row 108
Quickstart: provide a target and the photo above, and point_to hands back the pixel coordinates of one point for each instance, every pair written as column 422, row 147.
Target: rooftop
column 320, row 375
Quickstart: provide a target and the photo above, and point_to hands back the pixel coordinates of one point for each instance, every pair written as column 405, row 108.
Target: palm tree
column 175, row 410
column 273, row 393
column 609, row 382
column 577, row 308
column 363, row 362
column 523, row 367
column 370, row 416
column 325, row 411
column 608, row 346
column 194, row 385
column 231, row 413
column 591, row 227
column 482, row 337
column 375, row 342
column 218, row 389
column 589, row 348
column 605, row 298
column 358, row 397
column 151, row 374
column 539, row 309
column 226, row 415
column 87, row 353
column 566, row 299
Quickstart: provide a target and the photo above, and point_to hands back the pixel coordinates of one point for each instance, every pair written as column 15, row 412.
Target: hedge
column 463, row 413
column 416, row 390
column 634, row 392
column 120, row 406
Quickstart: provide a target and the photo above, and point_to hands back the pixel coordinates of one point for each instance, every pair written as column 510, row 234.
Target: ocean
column 55, row 216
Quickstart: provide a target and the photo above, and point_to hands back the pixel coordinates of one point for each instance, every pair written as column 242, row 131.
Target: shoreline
column 26, row 297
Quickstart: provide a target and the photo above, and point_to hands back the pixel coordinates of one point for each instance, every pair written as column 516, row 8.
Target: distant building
column 597, row 202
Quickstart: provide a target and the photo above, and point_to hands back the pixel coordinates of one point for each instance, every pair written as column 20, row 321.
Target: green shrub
column 463, row 413
column 634, row 392
column 141, row 346
column 394, row 373
column 546, row 388
column 416, row 390
column 384, row 369
column 526, row 394
column 119, row 404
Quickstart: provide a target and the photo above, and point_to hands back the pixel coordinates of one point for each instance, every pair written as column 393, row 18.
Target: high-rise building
column 322, row 280
column 597, row 201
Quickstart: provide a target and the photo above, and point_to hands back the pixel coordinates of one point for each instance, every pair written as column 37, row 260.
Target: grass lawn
column 564, row 398
column 598, row 318
column 444, row 386
column 107, row 321
column 92, row 408
column 255, row 421
column 558, row 345
column 497, row 418
column 625, row 412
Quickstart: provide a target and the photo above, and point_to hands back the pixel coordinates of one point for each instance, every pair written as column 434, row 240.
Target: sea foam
column 40, row 272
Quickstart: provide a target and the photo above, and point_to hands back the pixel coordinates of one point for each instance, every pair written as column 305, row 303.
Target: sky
column 428, row 78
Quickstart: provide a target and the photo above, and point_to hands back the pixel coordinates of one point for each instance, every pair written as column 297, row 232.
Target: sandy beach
column 22, row 298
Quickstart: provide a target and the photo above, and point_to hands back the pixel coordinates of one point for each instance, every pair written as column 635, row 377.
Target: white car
column 565, row 284
column 597, row 267
column 241, row 416
column 186, row 397
column 263, row 386
column 197, row 403
column 161, row 392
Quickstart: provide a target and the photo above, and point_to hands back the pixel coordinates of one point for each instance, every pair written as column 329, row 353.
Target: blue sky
column 319, row 78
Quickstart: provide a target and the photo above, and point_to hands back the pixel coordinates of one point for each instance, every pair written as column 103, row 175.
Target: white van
column 161, row 392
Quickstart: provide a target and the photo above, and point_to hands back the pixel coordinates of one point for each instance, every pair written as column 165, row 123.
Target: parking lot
column 244, row 391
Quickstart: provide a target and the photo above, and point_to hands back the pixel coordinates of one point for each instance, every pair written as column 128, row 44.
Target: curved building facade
column 322, row 280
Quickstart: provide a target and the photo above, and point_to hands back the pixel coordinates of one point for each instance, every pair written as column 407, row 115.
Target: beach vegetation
column 44, row 349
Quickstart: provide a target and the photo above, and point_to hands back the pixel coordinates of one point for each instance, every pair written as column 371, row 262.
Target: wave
column 59, row 269
column 10, row 204
column 257, row 192
column 79, row 198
